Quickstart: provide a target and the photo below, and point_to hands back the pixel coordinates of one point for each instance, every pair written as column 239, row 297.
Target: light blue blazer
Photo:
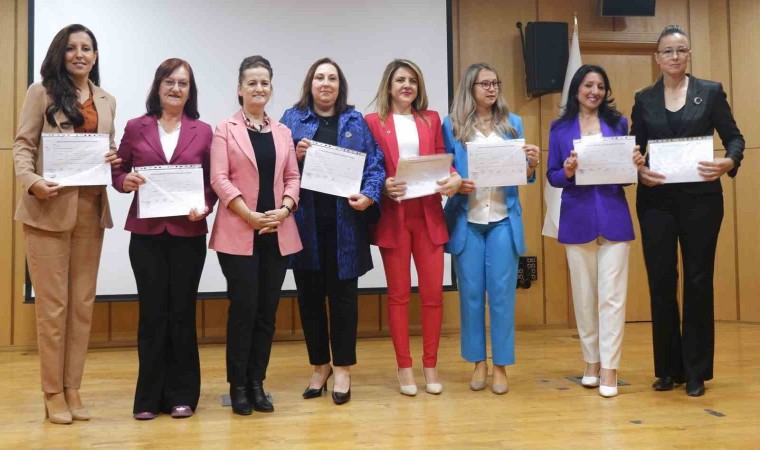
column 456, row 207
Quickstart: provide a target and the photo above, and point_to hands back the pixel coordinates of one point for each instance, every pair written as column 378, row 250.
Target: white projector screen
column 135, row 36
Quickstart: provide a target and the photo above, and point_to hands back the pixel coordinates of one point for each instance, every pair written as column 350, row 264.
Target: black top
column 324, row 204
column 674, row 119
column 263, row 148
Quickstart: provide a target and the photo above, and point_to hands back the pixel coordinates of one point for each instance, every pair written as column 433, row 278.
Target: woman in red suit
column 403, row 127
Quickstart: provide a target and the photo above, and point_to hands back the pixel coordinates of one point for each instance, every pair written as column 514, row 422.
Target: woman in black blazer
column 680, row 105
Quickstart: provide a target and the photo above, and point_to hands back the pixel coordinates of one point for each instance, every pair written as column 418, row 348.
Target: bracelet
column 290, row 211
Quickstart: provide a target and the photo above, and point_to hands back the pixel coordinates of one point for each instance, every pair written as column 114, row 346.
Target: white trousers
column 599, row 278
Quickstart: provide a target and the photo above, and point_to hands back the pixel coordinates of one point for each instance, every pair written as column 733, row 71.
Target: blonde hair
column 382, row 99
column 463, row 117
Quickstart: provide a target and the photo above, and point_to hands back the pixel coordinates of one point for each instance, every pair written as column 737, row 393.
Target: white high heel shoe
column 589, row 382
column 406, row 389
column 433, row 388
column 608, row 391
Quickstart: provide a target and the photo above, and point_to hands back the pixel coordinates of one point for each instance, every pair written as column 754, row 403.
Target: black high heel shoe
column 239, row 400
column 259, row 398
column 340, row 398
column 314, row 393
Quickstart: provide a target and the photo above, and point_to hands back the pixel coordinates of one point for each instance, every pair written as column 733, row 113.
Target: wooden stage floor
column 543, row 409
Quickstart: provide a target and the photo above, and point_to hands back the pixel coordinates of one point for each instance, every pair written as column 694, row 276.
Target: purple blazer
column 587, row 211
column 141, row 146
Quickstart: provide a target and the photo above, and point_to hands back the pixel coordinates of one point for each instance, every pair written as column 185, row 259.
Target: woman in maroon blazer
column 403, row 127
column 167, row 253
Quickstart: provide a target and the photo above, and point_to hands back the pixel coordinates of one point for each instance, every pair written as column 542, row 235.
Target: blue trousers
column 488, row 264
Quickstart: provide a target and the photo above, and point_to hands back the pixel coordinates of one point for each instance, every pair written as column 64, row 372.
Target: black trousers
column 253, row 288
column 667, row 217
column 312, row 287
column 167, row 271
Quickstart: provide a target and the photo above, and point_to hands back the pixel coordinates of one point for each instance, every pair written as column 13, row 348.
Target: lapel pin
column 348, row 134
column 388, row 131
column 697, row 100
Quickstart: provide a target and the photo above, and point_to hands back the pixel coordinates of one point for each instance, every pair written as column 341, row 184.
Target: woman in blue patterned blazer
column 334, row 230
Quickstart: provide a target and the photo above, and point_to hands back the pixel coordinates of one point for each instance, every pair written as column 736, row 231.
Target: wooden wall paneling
column 101, row 323
column 284, row 322
column 589, row 19
column 6, row 246
column 215, row 318
column 748, row 244
column 124, row 317
column 7, row 75
column 745, row 65
column 369, row 314
column 725, row 278
column 667, row 12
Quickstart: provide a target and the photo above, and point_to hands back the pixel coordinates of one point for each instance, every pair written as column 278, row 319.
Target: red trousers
column 414, row 241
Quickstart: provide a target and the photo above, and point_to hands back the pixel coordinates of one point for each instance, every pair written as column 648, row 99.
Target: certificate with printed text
column 76, row 159
column 678, row 159
column 170, row 190
column 422, row 173
column 491, row 164
column 606, row 161
column 333, row 170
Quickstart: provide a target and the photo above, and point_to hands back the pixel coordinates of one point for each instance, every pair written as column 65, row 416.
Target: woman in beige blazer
column 63, row 226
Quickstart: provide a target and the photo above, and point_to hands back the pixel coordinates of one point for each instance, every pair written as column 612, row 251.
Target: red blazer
column 234, row 173
column 141, row 146
column 385, row 233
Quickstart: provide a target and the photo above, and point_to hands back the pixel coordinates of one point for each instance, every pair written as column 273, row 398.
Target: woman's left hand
column 533, row 154
column 359, row 202
column 113, row 159
column 450, row 185
column 712, row 170
column 279, row 214
column 638, row 158
column 195, row 216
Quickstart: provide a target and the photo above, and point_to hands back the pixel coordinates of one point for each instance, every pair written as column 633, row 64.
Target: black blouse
column 263, row 149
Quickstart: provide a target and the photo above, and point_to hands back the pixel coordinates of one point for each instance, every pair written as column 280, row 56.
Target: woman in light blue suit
column 485, row 225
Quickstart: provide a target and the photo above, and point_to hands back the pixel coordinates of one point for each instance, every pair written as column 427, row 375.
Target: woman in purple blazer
column 595, row 226
column 167, row 253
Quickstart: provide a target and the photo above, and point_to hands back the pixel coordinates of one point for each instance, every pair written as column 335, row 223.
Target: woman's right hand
column 649, row 178
column 301, row 148
column 571, row 164
column 393, row 188
column 259, row 221
column 45, row 189
column 132, row 182
column 467, row 187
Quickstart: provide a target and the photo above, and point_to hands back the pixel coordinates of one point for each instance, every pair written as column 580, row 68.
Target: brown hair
column 164, row 70
column 252, row 62
column 307, row 100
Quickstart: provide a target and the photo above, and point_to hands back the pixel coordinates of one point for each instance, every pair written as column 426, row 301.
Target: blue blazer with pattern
column 354, row 257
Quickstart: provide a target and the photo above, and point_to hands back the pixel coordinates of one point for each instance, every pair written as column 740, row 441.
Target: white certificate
column 607, row 161
column 422, row 173
column 332, row 170
column 76, row 159
column 491, row 164
column 677, row 159
column 170, row 190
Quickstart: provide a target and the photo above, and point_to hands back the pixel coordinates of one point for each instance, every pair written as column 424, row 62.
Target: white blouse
column 487, row 204
column 406, row 135
column 168, row 141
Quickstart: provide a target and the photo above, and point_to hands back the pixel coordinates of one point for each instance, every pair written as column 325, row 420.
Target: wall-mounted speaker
column 622, row 8
column 546, row 53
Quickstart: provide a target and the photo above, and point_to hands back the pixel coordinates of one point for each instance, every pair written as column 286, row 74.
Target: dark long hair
column 607, row 111
column 252, row 62
column 164, row 71
column 307, row 100
column 59, row 85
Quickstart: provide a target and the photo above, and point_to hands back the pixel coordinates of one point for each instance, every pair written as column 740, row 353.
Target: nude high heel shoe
column 63, row 418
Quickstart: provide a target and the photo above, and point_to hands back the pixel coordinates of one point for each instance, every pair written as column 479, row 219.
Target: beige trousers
column 599, row 278
column 63, row 266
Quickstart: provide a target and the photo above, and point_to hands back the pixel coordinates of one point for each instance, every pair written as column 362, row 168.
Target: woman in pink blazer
column 167, row 253
column 403, row 127
column 255, row 174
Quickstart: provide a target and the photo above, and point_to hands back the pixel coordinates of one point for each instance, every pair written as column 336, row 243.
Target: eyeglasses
column 169, row 84
column 670, row 52
column 489, row 84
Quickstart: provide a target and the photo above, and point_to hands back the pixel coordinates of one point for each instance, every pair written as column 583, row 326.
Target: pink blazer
column 141, row 146
column 234, row 173
column 385, row 233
